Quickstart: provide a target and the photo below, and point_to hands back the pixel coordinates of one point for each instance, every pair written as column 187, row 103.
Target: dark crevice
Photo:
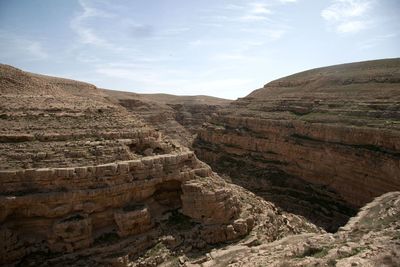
column 369, row 147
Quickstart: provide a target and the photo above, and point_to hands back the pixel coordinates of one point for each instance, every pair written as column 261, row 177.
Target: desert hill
column 358, row 94
column 321, row 142
column 179, row 117
column 86, row 181
column 90, row 176
column 178, row 99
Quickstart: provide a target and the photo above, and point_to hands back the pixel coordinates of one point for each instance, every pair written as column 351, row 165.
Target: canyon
column 99, row 177
column 321, row 143
column 179, row 117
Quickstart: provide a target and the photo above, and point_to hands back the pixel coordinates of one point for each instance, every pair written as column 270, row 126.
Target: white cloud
column 255, row 12
column 154, row 80
column 268, row 34
column 351, row 26
column 94, row 11
column 260, row 8
column 13, row 46
column 260, row 18
column 34, row 48
column 275, row 34
column 86, row 34
column 345, row 9
column 348, row 16
column 143, row 75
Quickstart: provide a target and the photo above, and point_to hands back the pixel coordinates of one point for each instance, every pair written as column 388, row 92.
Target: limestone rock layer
column 179, row 117
column 322, row 141
column 86, row 181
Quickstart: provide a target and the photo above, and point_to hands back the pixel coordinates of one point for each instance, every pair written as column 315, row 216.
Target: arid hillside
column 320, row 143
column 94, row 177
column 179, row 117
column 86, row 181
column 196, row 99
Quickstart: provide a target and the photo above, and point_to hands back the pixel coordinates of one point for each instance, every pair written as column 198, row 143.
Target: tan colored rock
column 331, row 132
column 208, row 203
column 241, row 226
column 72, row 233
column 133, row 220
column 369, row 239
column 214, row 234
column 75, row 164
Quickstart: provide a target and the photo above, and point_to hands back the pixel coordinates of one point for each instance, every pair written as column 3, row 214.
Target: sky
column 193, row 47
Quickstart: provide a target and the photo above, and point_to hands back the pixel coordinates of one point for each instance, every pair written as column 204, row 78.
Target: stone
column 72, row 233
column 207, row 203
column 11, row 246
column 299, row 132
column 132, row 222
column 96, row 200
column 148, row 152
column 240, row 226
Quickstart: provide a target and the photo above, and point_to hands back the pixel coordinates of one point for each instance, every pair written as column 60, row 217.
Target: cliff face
column 84, row 181
column 179, row 117
column 89, row 177
column 320, row 142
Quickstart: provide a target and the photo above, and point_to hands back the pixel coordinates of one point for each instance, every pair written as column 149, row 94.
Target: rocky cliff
column 179, row 117
column 85, row 181
column 90, row 177
column 319, row 143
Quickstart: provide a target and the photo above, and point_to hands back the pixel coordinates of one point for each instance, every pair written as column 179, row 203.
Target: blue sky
column 212, row 47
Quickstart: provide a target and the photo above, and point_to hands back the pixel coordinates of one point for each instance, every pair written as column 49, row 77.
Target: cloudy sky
column 224, row 48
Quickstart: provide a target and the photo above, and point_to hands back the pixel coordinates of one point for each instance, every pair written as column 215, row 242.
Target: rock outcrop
column 84, row 181
column 321, row 142
column 179, row 117
column 90, row 177
column 370, row 239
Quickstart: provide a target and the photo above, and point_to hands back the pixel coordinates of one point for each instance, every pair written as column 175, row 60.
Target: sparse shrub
column 315, row 252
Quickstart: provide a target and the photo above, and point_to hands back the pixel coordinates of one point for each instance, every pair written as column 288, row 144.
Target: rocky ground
column 369, row 239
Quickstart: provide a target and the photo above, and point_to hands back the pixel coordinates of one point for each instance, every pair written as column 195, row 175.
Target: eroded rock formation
column 320, row 142
column 370, row 239
column 90, row 177
column 179, row 117
column 84, row 181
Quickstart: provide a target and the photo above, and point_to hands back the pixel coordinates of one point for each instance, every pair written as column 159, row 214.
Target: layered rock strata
column 84, row 181
column 369, row 239
column 321, row 142
column 179, row 117
column 65, row 209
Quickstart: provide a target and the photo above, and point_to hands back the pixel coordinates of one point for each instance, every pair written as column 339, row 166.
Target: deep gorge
column 98, row 177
